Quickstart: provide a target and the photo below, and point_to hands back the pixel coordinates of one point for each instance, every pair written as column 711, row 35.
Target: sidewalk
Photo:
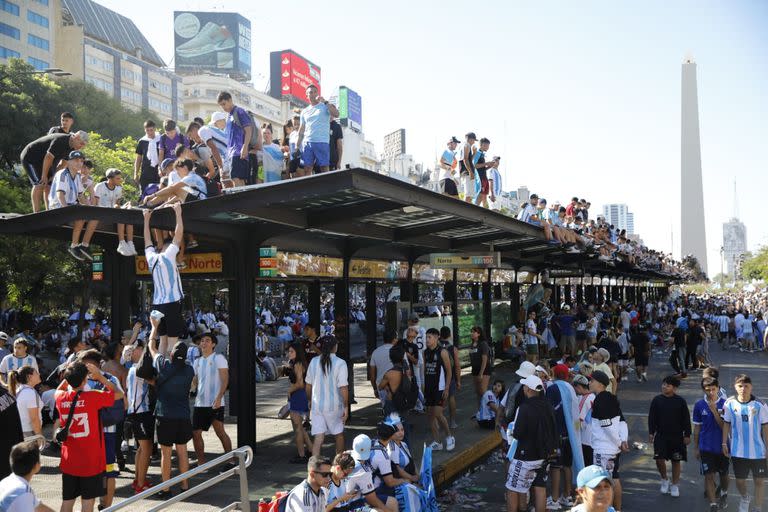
column 270, row 470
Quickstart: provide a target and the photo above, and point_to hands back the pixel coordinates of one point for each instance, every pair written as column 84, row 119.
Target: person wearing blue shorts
column 315, row 133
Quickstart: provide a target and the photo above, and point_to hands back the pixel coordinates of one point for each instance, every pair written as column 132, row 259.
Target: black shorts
column 142, row 426
column 171, row 431
column 564, row 457
column 714, row 463
column 202, row 417
column 241, row 169
column 448, row 186
column 33, row 173
column 433, row 398
column 742, row 468
column 641, row 360
column 172, row 324
column 669, row 449
column 586, row 452
column 85, row 487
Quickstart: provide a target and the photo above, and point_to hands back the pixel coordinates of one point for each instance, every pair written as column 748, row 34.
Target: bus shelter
column 375, row 247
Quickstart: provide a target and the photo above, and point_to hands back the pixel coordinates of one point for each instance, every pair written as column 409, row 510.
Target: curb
column 444, row 474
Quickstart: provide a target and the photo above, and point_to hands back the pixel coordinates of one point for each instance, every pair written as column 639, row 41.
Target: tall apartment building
column 620, row 216
column 734, row 243
column 394, row 144
column 108, row 50
column 28, row 31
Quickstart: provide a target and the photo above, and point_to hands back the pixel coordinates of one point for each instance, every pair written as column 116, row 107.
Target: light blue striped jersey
column 208, row 380
column 138, row 393
column 16, row 495
column 11, row 362
column 326, row 396
column 165, row 274
column 746, row 420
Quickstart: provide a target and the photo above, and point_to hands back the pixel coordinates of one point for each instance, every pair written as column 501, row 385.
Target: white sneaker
column 211, row 38
column 132, row 249
column 122, row 248
column 674, row 491
column 744, row 504
column 450, row 443
column 436, row 447
column 664, row 487
column 565, row 501
column 552, row 504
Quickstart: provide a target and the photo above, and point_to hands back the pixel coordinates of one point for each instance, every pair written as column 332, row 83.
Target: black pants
column 690, row 354
column 676, row 361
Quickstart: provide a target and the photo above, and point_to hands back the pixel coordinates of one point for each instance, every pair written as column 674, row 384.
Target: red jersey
column 82, row 454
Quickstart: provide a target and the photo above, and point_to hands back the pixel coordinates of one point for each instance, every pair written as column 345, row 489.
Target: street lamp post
column 49, row 71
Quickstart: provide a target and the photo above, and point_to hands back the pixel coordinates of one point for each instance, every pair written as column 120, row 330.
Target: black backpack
column 146, row 370
column 406, row 396
column 113, row 414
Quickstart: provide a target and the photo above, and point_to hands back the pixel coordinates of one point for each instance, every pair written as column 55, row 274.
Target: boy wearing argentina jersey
column 16, row 361
column 327, row 385
column 360, row 481
column 141, row 419
column 746, row 423
column 212, row 376
column 447, row 166
column 311, row 495
column 166, row 282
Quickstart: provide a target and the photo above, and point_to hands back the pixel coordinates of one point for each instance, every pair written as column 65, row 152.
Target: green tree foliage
column 36, row 274
column 756, row 267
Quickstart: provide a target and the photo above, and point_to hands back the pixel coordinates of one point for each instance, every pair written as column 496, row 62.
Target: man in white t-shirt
column 109, row 194
column 380, row 363
column 447, row 167
column 16, row 493
column 212, row 376
column 311, row 495
column 532, row 338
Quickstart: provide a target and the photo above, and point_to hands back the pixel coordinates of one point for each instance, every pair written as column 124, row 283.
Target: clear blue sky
column 579, row 98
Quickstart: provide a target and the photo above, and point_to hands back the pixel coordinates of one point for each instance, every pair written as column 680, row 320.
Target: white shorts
column 523, row 474
column 467, row 186
column 623, row 363
column 326, row 422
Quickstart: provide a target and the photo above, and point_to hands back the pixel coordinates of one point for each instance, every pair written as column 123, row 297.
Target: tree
column 756, row 267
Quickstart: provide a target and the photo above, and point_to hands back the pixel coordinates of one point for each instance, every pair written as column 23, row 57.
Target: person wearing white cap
column 3, row 340
column 537, row 440
column 360, row 481
column 515, row 395
column 595, row 488
column 600, row 363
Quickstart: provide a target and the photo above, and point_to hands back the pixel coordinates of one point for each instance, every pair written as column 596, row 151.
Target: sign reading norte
column 203, row 263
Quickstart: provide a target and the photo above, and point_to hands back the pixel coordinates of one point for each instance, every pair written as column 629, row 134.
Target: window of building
column 6, row 53
column 38, row 42
column 130, row 76
column 10, row 7
column 37, row 19
column 130, row 95
column 42, row 2
column 38, row 64
column 99, row 83
column 10, row 31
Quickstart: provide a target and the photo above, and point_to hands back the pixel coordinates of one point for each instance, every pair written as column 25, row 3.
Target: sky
column 578, row 98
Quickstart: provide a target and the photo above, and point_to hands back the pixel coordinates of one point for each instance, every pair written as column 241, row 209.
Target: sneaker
column 436, row 447
column 131, row 249
column 192, row 244
column 744, row 504
column 664, row 487
column 182, row 265
column 454, row 425
column 645, row 377
column 122, row 248
column 212, row 38
column 674, row 491
column 713, row 507
column 552, row 504
column 164, row 495
column 450, row 443
column 722, row 500
column 83, row 250
column 565, row 501
column 75, row 253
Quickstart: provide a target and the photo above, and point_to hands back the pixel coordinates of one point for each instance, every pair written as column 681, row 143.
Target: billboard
column 350, row 108
column 290, row 74
column 219, row 42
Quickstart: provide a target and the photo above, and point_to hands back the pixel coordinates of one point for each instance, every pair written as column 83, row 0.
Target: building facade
column 620, row 217
column 28, row 31
column 693, row 237
column 394, row 144
column 106, row 49
column 734, row 243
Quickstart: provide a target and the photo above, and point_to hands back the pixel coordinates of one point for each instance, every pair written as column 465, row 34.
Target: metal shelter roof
column 354, row 213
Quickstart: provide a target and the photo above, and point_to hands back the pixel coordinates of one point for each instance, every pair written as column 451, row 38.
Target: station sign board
column 199, row 263
column 465, row 260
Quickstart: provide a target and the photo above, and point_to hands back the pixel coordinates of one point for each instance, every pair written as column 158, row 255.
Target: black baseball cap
column 454, row 139
column 76, row 154
column 484, row 141
column 601, row 377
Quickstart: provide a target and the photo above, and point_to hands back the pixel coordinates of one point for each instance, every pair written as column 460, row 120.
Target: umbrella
column 76, row 316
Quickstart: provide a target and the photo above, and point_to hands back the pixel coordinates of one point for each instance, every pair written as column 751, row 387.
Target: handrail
column 243, row 457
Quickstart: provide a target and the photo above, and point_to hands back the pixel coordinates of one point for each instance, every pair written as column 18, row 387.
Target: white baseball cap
column 219, row 116
column 361, row 447
column 526, row 369
column 3, row 336
column 533, row 382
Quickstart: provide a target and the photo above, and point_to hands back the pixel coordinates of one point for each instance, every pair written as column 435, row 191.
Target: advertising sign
column 291, row 74
column 350, row 108
column 97, row 266
column 202, row 263
column 477, row 260
column 219, row 42
column 267, row 261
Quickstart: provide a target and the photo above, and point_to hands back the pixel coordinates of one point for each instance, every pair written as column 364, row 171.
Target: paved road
column 640, row 479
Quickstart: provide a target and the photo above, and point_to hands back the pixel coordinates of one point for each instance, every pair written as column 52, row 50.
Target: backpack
column 254, row 133
column 278, row 504
column 146, row 370
column 113, row 414
column 406, row 396
column 509, row 409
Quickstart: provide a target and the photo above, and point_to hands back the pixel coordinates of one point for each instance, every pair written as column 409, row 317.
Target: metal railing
column 243, row 456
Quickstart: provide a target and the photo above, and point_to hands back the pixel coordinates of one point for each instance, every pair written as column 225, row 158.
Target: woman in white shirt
column 21, row 384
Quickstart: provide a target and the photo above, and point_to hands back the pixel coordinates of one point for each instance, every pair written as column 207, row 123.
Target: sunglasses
column 324, row 474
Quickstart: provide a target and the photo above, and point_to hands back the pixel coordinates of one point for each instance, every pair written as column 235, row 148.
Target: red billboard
column 291, row 74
